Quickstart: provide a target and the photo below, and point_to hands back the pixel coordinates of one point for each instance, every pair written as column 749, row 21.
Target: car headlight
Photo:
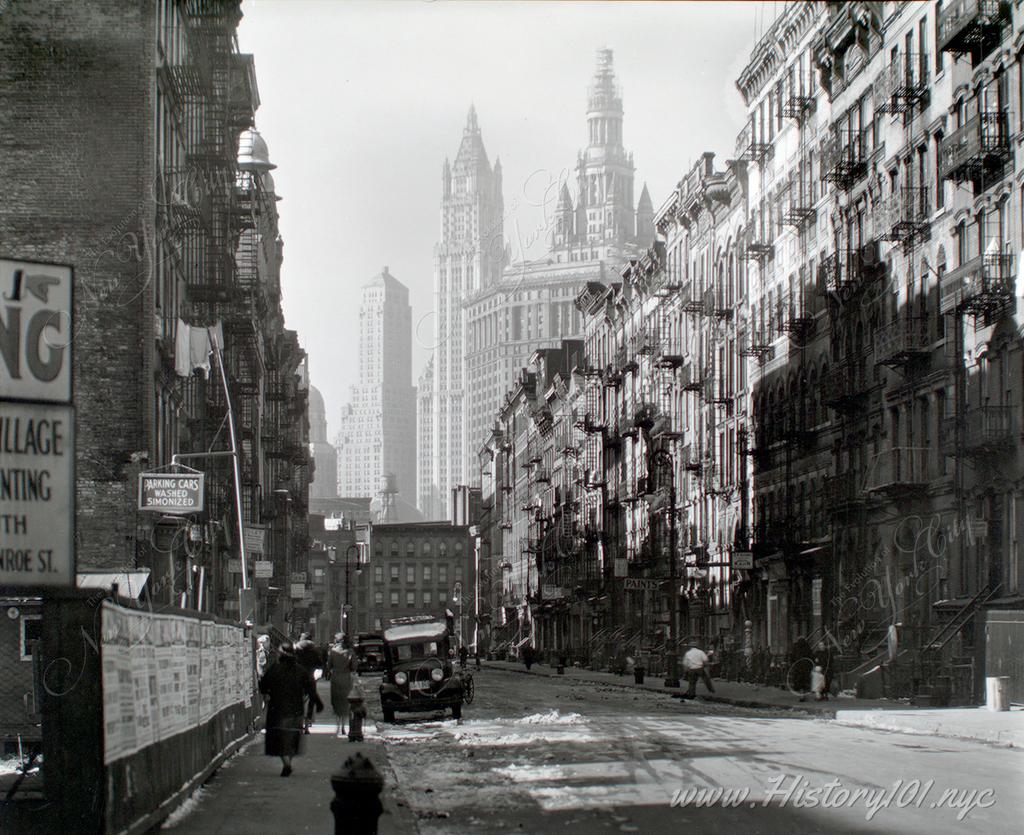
column 401, row 678
column 437, row 674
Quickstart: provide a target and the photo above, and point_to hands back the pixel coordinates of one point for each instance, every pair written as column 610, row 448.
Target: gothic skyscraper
column 491, row 314
column 468, row 258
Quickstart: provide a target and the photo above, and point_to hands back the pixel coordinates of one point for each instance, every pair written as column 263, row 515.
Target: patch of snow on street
column 185, row 809
column 552, row 717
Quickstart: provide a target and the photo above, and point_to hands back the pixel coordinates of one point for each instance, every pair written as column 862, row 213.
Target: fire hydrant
column 357, row 713
column 356, row 805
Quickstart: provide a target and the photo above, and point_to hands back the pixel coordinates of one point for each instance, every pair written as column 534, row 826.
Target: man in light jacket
column 695, row 666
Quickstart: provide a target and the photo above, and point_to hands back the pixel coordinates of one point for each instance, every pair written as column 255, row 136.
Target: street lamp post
column 457, row 599
column 348, row 606
column 663, row 459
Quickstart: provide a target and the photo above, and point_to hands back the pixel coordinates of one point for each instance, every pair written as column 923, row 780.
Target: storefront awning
column 129, row 584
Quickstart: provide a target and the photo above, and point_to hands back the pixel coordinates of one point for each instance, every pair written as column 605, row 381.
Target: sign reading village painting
column 175, row 493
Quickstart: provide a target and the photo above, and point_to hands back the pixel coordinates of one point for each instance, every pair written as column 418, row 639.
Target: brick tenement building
column 121, row 125
column 827, row 345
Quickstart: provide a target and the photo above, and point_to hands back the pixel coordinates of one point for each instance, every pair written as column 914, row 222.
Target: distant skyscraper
column 378, row 432
column 533, row 305
column 325, row 456
column 488, row 328
column 469, row 256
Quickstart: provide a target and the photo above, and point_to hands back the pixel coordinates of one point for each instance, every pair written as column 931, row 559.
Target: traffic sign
column 35, row 331
column 37, row 511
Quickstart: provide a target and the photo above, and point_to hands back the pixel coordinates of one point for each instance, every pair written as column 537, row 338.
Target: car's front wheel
column 457, row 710
column 389, row 715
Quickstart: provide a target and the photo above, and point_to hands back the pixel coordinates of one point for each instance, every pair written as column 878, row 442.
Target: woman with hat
column 341, row 662
column 286, row 684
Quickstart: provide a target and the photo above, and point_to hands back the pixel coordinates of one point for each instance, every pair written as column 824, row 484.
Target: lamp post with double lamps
column 663, row 460
column 346, row 607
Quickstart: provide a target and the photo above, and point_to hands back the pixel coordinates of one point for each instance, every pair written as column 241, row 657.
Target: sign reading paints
column 174, row 493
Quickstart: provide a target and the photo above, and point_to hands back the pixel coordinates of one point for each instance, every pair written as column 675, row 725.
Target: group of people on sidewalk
column 289, row 685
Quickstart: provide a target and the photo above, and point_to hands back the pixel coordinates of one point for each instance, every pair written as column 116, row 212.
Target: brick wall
column 76, row 89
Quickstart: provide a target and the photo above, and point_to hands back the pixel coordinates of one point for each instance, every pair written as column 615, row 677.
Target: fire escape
column 973, row 27
column 902, row 84
column 842, row 158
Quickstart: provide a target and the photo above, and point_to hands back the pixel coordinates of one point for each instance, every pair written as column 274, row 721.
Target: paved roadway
column 540, row 754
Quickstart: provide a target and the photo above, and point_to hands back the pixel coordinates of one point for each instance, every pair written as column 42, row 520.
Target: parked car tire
column 389, row 715
column 457, row 711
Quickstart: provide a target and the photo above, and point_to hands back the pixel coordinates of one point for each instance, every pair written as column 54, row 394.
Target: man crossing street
column 695, row 666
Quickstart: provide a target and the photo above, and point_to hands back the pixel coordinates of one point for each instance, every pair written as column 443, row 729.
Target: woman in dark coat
column 286, row 684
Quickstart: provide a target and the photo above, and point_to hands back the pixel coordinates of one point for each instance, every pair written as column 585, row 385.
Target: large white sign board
column 37, row 495
column 35, row 331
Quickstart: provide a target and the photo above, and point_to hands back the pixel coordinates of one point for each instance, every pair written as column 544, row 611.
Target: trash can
column 638, row 674
column 997, row 693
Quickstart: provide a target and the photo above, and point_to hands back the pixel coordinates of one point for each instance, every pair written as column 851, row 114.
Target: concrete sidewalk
column 726, row 692
column 978, row 724
column 247, row 795
column 999, row 728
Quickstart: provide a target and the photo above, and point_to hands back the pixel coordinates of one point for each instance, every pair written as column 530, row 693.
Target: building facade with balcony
column 818, row 362
column 174, row 228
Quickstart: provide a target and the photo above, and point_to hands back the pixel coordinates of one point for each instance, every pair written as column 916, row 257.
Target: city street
column 541, row 754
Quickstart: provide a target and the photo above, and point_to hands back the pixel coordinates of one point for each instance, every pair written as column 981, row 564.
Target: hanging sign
column 743, row 559
column 255, row 539
column 264, row 569
column 177, row 494
column 641, row 584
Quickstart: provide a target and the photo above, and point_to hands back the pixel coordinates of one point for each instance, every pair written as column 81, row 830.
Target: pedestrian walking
column 695, row 666
column 286, row 684
column 823, row 659
column 263, row 655
column 528, row 656
column 463, row 655
column 308, row 657
column 341, row 662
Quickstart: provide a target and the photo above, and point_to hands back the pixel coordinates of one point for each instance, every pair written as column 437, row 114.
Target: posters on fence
column 165, row 674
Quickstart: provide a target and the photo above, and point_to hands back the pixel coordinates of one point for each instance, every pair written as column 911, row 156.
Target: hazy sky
column 361, row 103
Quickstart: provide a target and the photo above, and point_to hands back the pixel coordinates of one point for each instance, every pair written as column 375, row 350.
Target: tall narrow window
column 938, row 52
column 940, row 185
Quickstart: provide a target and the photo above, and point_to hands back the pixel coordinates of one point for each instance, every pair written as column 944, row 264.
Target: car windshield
column 419, row 649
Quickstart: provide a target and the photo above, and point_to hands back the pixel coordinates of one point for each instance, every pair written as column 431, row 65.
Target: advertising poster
column 164, row 674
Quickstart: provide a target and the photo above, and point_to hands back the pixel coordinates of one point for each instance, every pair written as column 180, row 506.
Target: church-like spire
column 645, row 219
column 471, row 123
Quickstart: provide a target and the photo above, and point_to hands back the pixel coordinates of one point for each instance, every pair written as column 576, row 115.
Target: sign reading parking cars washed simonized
column 177, row 494
column 37, row 426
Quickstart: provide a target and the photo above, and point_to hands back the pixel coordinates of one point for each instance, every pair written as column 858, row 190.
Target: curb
column 828, row 713
column 398, row 817
column 894, row 727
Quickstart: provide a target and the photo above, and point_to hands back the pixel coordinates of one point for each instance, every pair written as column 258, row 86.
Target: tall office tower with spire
column 592, row 235
column 378, row 425
column 469, row 257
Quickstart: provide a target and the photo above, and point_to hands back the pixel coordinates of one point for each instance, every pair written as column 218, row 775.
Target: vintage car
column 369, row 652
column 419, row 676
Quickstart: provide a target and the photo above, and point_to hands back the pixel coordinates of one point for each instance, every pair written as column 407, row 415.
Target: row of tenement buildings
column 129, row 153
column 808, row 390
